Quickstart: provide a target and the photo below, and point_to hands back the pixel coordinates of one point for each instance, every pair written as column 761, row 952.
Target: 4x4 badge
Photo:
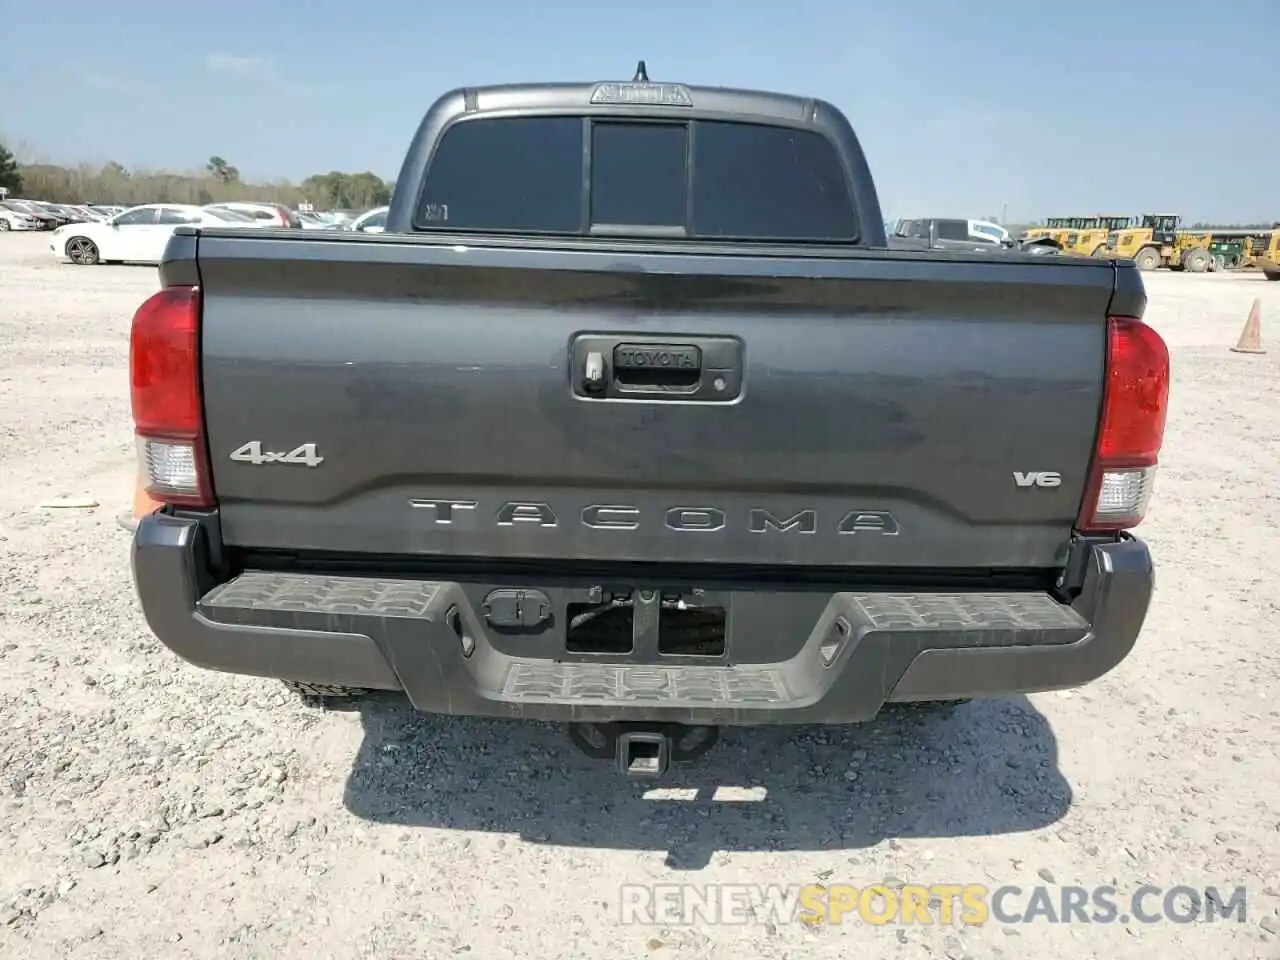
column 252, row 452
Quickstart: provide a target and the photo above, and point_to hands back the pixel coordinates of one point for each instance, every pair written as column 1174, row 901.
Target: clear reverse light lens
column 170, row 465
column 1124, row 493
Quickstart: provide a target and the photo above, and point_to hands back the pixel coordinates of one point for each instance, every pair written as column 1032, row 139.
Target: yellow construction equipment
column 1089, row 236
column 1266, row 257
column 1157, row 242
column 1053, row 233
column 1234, row 248
column 1191, row 251
column 1084, row 235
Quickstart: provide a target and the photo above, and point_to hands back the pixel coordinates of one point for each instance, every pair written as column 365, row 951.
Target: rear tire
column 321, row 694
column 1148, row 258
column 928, row 708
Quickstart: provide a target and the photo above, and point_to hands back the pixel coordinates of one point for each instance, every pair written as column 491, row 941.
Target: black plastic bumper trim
column 404, row 635
column 166, row 557
column 1117, row 592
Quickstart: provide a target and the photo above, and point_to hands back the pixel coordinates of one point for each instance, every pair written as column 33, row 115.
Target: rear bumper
column 407, row 635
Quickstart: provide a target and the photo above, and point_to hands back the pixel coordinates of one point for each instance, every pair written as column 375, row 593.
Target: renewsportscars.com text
column 926, row 904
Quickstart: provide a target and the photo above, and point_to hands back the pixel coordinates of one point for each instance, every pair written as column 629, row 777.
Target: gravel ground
column 151, row 809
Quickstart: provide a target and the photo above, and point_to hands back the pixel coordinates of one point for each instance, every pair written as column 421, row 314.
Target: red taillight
column 163, row 358
column 164, row 371
column 1135, row 404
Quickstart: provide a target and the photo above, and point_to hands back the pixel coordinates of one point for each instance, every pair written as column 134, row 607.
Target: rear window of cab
column 706, row 179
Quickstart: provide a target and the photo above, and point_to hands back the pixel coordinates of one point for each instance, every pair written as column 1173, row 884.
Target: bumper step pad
column 879, row 632
column 273, row 599
column 791, row 655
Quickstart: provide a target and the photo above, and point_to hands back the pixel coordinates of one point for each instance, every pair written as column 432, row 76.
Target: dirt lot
column 150, row 809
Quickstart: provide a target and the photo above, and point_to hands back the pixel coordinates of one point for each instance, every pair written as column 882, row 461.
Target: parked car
column 70, row 212
column 13, row 218
column 46, row 220
column 950, row 233
column 87, row 213
column 994, row 231
column 314, row 221
column 640, row 459
column 138, row 235
column 56, row 211
column 266, row 214
column 373, row 221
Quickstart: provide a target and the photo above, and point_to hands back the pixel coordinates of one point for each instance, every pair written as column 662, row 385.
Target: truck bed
column 877, row 403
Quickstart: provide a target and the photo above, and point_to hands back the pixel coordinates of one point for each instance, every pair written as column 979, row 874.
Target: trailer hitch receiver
column 643, row 749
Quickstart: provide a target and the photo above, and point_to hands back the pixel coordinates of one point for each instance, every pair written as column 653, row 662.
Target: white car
column 138, row 235
column 986, row 230
column 12, row 219
column 373, row 221
column 313, row 221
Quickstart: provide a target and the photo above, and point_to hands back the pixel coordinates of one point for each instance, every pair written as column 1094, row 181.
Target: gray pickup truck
column 633, row 420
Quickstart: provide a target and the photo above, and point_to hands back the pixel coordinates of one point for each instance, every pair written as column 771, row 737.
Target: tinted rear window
column 755, row 181
column 746, row 181
column 522, row 174
column 638, row 174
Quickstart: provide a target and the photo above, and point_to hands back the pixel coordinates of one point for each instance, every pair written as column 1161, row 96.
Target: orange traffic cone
column 1251, row 336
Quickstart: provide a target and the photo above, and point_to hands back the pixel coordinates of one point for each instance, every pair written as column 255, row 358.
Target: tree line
column 10, row 177
column 1201, row 225
column 218, row 181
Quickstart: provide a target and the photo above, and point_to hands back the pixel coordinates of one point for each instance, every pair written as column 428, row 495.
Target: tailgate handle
column 657, row 365
column 644, row 367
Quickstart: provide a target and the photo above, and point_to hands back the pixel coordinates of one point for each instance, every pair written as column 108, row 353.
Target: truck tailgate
column 886, row 409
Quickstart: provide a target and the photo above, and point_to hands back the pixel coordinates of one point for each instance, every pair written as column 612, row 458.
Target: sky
column 1002, row 107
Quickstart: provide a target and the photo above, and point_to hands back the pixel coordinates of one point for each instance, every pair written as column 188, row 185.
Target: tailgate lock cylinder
column 593, row 372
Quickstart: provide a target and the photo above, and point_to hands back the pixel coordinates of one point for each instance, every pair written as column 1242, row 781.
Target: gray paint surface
column 883, row 401
column 892, row 382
